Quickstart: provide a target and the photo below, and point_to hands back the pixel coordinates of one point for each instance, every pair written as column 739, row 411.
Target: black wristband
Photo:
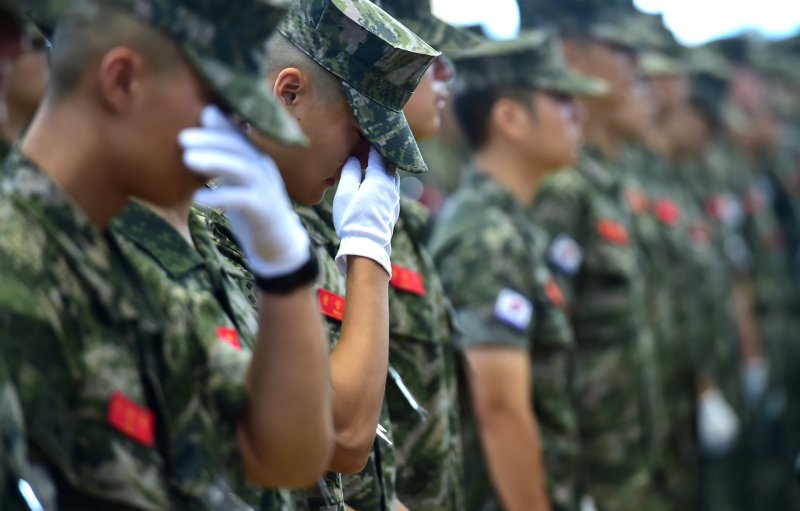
column 288, row 283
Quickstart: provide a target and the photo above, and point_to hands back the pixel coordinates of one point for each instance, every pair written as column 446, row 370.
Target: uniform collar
column 495, row 193
column 153, row 235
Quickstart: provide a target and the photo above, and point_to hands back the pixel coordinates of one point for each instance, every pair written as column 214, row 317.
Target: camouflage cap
column 535, row 60
column 379, row 62
column 417, row 15
column 653, row 64
column 615, row 22
column 224, row 41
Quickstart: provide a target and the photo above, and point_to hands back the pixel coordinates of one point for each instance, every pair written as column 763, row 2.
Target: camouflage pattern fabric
column 422, row 351
column 149, row 242
column 535, row 60
column 418, row 16
column 658, row 226
column 374, row 488
column 5, row 148
column 379, row 62
column 484, row 246
column 615, row 372
column 72, row 323
column 618, row 23
column 12, row 440
column 224, row 42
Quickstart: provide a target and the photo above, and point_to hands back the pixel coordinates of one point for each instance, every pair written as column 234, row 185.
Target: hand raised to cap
column 251, row 192
column 365, row 210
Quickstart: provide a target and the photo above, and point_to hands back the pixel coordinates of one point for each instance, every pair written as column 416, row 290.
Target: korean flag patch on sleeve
column 565, row 255
column 513, row 309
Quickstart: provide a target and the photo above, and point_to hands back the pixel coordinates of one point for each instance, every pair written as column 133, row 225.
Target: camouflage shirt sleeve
column 479, row 266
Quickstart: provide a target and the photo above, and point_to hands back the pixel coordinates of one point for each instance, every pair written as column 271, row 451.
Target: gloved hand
column 365, row 211
column 718, row 424
column 250, row 191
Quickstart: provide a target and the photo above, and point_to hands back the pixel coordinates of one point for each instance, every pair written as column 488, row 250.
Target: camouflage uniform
column 482, row 226
column 5, row 148
column 373, row 488
column 129, row 406
column 614, row 367
column 154, row 247
column 422, row 352
column 659, row 225
column 12, row 441
column 422, row 334
column 72, row 322
column 379, row 63
column 486, row 246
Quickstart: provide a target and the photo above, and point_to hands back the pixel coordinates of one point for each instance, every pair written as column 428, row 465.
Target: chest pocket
column 417, row 304
column 609, row 253
column 104, row 440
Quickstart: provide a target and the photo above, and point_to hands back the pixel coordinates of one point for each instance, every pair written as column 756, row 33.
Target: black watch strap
column 288, row 283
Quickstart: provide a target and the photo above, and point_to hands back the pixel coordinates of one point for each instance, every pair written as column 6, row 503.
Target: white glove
column 250, row 191
column 755, row 376
column 717, row 423
column 365, row 211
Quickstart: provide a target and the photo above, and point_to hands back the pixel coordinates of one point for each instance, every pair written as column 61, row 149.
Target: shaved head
column 81, row 43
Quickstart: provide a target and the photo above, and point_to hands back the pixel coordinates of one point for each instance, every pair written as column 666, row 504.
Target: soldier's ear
column 504, row 117
column 118, row 79
column 290, row 84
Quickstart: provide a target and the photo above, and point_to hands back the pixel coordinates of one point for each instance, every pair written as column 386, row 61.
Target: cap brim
column 617, row 34
column 574, row 84
column 387, row 131
column 653, row 65
column 442, row 36
column 247, row 96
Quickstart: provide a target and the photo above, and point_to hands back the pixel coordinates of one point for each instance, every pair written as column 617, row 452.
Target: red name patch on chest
column 229, row 336
column 331, row 304
column 612, row 232
column 405, row 279
column 667, row 212
column 554, row 294
column 130, row 419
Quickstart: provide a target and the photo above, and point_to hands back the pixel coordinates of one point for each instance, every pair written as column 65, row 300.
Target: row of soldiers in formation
column 188, row 321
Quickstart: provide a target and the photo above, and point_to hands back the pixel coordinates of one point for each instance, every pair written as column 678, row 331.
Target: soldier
column 422, row 395
column 125, row 414
column 708, row 312
column 694, row 328
column 515, row 105
column 618, row 404
column 345, row 70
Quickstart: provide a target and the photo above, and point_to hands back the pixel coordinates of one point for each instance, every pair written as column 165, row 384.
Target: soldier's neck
column 515, row 173
column 65, row 146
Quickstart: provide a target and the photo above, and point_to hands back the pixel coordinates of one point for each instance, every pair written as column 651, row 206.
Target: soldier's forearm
column 512, row 447
column 359, row 364
column 289, row 421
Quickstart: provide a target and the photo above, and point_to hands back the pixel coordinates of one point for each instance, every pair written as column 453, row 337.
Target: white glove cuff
column 296, row 255
column 363, row 248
